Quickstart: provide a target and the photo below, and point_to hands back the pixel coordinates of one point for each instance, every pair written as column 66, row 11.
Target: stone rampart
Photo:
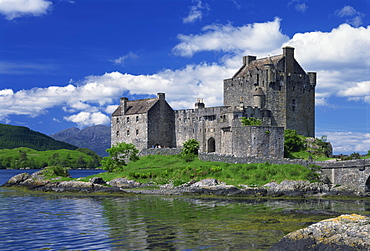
column 159, row 151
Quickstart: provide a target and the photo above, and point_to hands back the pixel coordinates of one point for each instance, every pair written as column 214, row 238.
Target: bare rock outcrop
column 346, row 232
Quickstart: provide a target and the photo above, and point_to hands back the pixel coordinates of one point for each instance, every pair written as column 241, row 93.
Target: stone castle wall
column 130, row 129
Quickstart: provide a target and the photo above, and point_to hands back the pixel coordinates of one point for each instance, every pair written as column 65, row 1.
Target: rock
column 17, row 179
column 346, row 232
column 98, row 180
column 296, row 188
column 207, row 183
column 124, row 183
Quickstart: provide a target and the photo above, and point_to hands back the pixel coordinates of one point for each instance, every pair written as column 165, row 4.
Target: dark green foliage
column 19, row 136
column 352, row 156
column 251, row 121
column 119, row 155
column 23, row 157
column 55, row 171
column 292, row 142
column 190, row 149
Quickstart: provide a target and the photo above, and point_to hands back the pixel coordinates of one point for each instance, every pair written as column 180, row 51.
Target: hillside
column 23, row 157
column 96, row 138
column 19, row 136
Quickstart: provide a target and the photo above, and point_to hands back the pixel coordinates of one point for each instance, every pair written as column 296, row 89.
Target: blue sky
column 66, row 63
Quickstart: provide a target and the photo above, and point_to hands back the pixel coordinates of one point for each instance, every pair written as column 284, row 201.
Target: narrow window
column 128, row 119
column 128, row 132
column 117, row 133
column 117, row 120
column 137, row 118
column 137, row 132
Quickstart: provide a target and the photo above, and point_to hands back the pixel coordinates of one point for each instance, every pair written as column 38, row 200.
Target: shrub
column 251, row 121
column 190, row 150
column 119, row 155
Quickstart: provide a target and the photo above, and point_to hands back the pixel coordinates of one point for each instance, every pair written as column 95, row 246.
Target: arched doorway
column 367, row 185
column 211, row 145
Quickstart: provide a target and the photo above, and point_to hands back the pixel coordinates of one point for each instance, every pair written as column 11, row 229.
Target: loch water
column 53, row 221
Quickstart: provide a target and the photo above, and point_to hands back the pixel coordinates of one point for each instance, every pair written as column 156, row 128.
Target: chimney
column 288, row 53
column 199, row 104
column 312, row 76
column 123, row 104
column 248, row 59
column 161, row 96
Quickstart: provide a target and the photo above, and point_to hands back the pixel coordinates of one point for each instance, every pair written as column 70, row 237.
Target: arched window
column 211, row 145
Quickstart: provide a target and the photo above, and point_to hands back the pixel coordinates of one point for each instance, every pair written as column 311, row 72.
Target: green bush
column 190, row 150
column 119, row 155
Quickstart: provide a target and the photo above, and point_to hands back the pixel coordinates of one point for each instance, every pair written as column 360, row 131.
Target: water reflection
column 31, row 221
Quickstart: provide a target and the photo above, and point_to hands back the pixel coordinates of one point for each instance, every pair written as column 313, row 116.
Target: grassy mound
column 174, row 169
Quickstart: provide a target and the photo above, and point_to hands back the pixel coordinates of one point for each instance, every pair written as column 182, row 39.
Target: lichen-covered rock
column 346, row 232
column 17, row 179
column 124, row 183
column 291, row 187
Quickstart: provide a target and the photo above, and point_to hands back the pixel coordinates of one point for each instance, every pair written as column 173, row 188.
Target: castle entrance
column 211, row 145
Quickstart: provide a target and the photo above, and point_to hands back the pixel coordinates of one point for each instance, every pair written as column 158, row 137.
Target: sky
column 66, row 63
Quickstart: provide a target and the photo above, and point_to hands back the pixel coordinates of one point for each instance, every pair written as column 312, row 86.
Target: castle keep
column 275, row 90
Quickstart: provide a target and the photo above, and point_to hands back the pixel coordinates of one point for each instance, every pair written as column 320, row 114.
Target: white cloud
column 299, row 5
column 227, row 38
column 195, row 12
column 348, row 142
column 121, row 60
column 346, row 11
column 341, row 57
column 83, row 119
column 16, row 8
column 349, row 11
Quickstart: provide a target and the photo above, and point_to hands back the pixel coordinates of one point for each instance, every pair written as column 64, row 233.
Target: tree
column 190, row 149
column 119, row 155
column 292, row 142
column 251, row 121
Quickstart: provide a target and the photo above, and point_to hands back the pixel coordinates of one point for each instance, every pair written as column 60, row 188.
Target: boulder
column 98, row 180
column 17, row 179
column 346, row 232
column 124, row 183
column 296, row 187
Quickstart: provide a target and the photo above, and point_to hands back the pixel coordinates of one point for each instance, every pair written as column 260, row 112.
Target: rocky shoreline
column 346, row 232
column 287, row 188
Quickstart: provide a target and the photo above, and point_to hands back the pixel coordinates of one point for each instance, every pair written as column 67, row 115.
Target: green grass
column 11, row 158
column 166, row 169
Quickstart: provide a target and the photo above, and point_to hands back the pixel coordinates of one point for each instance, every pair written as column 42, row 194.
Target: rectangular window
column 128, row 132
column 137, row 132
column 128, row 119
column 137, row 118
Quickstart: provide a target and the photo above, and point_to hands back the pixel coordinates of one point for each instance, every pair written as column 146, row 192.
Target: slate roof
column 136, row 106
column 258, row 64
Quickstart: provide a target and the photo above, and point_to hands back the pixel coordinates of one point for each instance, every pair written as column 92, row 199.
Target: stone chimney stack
column 312, row 76
column 248, row 59
column 161, row 96
column 199, row 103
column 288, row 53
column 123, row 104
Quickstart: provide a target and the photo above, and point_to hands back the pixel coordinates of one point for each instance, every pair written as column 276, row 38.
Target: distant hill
column 96, row 138
column 20, row 136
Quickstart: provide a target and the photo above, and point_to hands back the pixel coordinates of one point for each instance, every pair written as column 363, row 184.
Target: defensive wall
column 354, row 174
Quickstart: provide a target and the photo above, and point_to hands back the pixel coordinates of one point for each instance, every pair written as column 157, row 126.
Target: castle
column 275, row 90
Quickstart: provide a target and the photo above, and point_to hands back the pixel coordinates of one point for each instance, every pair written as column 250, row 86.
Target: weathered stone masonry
column 275, row 90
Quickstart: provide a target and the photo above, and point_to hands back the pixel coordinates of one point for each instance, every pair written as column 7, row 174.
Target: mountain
column 20, row 136
column 96, row 138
